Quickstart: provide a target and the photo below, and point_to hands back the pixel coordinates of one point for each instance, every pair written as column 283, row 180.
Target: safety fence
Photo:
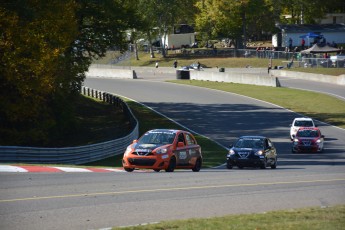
column 80, row 154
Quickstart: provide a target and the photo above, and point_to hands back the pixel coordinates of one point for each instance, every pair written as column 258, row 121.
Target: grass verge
column 296, row 219
column 316, row 105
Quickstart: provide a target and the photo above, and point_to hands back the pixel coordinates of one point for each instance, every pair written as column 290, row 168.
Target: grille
column 143, row 153
column 142, row 162
column 243, row 154
column 306, row 143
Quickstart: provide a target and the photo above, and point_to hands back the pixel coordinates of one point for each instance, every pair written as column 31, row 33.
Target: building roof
column 305, row 28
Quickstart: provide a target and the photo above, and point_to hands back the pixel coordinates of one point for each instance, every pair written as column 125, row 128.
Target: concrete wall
column 252, row 76
column 110, row 72
column 339, row 80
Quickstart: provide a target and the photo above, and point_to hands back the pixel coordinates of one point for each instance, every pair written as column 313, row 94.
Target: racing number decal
column 182, row 155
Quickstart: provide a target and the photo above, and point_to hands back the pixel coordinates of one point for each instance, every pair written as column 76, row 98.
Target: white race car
column 300, row 122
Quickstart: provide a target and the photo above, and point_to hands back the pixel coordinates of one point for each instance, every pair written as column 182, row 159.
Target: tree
column 160, row 16
column 34, row 35
column 46, row 47
column 230, row 18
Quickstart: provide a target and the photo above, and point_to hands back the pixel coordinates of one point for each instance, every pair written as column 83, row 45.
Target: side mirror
column 180, row 144
column 230, row 146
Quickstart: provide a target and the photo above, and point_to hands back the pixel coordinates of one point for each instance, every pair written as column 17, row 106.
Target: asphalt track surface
column 99, row 200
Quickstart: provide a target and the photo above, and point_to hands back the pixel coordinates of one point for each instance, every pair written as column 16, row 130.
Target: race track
column 100, row 200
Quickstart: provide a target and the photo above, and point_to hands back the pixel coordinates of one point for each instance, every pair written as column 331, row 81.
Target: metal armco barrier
column 80, row 154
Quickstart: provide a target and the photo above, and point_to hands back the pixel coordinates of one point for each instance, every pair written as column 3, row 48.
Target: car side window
column 181, row 138
column 270, row 144
column 190, row 139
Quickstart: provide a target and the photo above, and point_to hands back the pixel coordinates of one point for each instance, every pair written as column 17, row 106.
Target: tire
column 157, row 170
column 129, row 169
column 274, row 166
column 228, row 165
column 264, row 164
column 240, row 166
column 172, row 165
column 197, row 165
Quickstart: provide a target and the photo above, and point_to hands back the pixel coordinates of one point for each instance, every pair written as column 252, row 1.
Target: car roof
column 252, row 137
column 303, row 119
column 167, row 130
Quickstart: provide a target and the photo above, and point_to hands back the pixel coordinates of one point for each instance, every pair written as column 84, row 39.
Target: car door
column 271, row 151
column 193, row 148
column 182, row 152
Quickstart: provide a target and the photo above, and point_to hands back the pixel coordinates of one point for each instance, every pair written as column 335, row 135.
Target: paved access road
column 99, row 200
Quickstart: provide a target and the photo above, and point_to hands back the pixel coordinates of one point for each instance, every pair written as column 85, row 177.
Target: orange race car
column 163, row 149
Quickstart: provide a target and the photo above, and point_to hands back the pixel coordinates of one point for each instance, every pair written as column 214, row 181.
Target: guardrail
column 80, row 154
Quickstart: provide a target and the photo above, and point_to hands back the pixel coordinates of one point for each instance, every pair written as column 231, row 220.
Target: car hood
column 251, row 150
column 145, row 147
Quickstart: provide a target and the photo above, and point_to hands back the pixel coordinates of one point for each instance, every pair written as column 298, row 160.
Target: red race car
column 308, row 139
column 163, row 149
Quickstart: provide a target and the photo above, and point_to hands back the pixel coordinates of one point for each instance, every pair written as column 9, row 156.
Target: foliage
column 46, row 46
column 232, row 19
column 159, row 17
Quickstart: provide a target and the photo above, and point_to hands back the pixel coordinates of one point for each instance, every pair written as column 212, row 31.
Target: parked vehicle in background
column 300, row 122
column 163, row 149
column 308, row 140
column 338, row 60
column 252, row 151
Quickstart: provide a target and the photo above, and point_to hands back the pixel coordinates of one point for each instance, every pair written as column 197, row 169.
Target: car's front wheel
column 264, row 164
column 129, row 169
column 172, row 165
column 228, row 165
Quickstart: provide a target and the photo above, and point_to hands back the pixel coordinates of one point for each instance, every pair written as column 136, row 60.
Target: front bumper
column 253, row 161
column 146, row 162
column 310, row 148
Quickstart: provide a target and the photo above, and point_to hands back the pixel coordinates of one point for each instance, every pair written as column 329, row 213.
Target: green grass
column 332, row 218
column 316, row 105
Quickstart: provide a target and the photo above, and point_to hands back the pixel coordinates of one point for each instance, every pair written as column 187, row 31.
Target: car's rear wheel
column 129, row 169
column 157, row 170
column 172, row 165
column 197, row 165
column 228, row 165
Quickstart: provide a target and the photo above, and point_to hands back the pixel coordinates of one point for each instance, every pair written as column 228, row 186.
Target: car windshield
column 157, row 137
column 304, row 123
column 308, row 133
column 249, row 143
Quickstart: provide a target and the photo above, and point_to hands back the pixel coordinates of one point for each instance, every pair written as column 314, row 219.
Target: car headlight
column 161, row 150
column 318, row 141
column 128, row 150
column 295, row 140
column 231, row 152
column 259, row 153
